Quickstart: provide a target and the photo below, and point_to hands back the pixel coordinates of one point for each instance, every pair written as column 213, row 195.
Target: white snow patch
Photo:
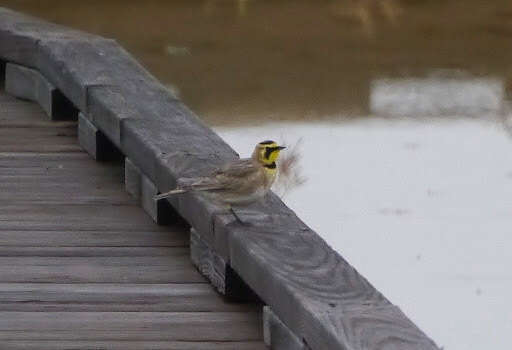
column 422, row 209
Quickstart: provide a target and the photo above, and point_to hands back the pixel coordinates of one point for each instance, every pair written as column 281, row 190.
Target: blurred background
column 403, row 112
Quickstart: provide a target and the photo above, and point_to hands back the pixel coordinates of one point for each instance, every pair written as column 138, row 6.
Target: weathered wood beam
column 94, row 141
column 160, row 210
column 29, row 84
column 132, row 179
column 143, row 190
column 277, row 336
column 217, row 270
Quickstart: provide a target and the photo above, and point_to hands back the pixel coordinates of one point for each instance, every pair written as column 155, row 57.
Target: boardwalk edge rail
column 316, row 299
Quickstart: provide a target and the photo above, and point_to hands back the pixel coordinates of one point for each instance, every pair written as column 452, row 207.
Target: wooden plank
column 182, row 326
column 108, row 180
column 58, row 133
column 160, row 211
column 35, row 123
column 88, row 137
column 29, row 84
column 132, row 179
column 88, row 251
column 97, row 62
column 376, row 327
column 62, row 133
column 107, row 108
column 208, row 263
column 171, row 236
column 50, row 164
column 80, row 185
column 147, row 191
column 74, row 217
column 35, row 158
column 176, row 256
column 277, row 336
column 175, row 268
column 95, row 142
column 183, row 297
column 25, row 114
column 59, row 195
column 136, row 290
column 18, row 113
column 23, row 82
column 38, row 140
column 316, row 293
column 130, row 345
column 20, row 38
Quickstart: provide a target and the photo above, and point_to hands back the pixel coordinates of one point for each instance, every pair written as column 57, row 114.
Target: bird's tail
column 169, row 194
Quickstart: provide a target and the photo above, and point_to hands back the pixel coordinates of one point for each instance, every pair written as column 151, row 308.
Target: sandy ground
column 423, row 209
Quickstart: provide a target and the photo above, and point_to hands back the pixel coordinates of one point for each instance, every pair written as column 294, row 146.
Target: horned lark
column 240, row 182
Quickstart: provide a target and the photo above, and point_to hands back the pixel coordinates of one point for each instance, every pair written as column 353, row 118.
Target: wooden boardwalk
column 82, row 266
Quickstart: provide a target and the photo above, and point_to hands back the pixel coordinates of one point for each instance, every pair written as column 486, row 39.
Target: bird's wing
column 199, row 184
column 224, row 178
column 240, row 168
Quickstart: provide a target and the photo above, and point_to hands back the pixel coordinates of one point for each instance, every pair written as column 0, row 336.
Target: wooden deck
column 82, row 266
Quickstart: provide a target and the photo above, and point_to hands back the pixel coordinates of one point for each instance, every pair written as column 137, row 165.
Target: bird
column 240, row 182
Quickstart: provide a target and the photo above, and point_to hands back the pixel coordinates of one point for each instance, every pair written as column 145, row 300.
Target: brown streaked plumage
column 240, row 182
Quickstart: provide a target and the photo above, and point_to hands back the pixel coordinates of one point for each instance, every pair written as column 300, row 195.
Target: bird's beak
column 280, row 147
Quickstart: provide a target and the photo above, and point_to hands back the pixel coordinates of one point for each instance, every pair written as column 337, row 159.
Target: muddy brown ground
column 237, row 62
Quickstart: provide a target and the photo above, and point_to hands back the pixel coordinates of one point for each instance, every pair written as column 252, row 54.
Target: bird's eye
column 268, row 152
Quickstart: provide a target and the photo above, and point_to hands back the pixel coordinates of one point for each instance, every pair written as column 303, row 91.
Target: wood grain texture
column 365, row 327
column 107, row 109
column 149, row 237
column 147, row 191
column 130, row 345
column 41, row 140
column 80, row 62
column 23, row 83
column 132, row 179
column 210, row 265
column 160, row 211
column 20, row 35
column 277, row 336
column 47, row 165
column 175, row 297
column 29, row 84
column 218, row 272
column 88, row 137
column 53, row 193
column 82, row 266
column 94, row 141
column 69, row 217
column 175, row 268
column 65, row 251
column 174, row 326
column 317, row 294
